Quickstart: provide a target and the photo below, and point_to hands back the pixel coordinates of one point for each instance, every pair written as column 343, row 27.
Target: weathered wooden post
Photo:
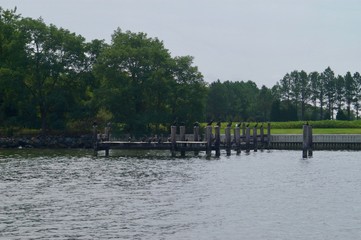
column 247, row 139
column 107, row 137
column 209, row 140
column 244, row 130
column 217, row 143
column 95, row 139
column 227, row 132
column 237, row 137
column 182, row 133
column 305, row 141
column 268, row 135
column 196, row 136
column 107, row 132
column 310, row 141
column 261, row 132
column 255, row 142
column 173, row 140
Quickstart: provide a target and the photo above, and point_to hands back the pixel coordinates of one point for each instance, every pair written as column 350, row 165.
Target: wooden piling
column 196, row 137
column 247, row 139
column 95, row 140
column 244, row 130
column 182, row 133
column 209, row 140
column 268, row 135
column 217, row 143
column 237, row 137
column 305, row 145
column 173, row 139
column 255, row 142
column 261, row 132
column 310, row 141
column 228, row 140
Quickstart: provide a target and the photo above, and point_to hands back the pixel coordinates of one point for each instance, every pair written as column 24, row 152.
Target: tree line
column 51, row 78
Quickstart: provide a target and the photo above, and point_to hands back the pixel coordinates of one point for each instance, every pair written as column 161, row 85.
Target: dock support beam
column 237, row 137
column 217, row 143
column 306, row 139
column 268, row 135
column 310, row 141
column 247, row 139
column 173, row 139
column 182, row 133
column 255, row 142
column 95, row 139
column 209, row 140
column 228, row 140
column 261, row 132
column 196, row 137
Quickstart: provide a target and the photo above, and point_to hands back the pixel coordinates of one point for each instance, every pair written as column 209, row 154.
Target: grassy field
column 319, row 131
column 319, row 127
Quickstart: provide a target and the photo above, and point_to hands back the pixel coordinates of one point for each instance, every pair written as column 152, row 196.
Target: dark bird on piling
column 229, row 124
column 129, row 139
column 196, row 124
column 307, row 123
column 256, row 124
column 219, row 123
column 247, row 125
column 175, row 122
column 210, row 123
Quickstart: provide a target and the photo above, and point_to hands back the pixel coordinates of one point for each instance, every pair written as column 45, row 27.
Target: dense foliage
column 52, row 79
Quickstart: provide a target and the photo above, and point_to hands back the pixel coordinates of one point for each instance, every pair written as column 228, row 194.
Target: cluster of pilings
column 214, row 142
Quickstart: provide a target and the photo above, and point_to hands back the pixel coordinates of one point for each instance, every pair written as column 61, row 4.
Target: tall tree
column 316, row 91
column 305, row 92
column 55, row 58
column 350, row 89
column 357, row 99
column 328, row 81
column 339, row 92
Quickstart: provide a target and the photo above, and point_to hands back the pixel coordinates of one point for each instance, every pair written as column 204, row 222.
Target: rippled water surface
column 265, row 195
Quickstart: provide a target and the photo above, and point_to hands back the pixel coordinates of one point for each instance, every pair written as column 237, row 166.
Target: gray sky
column 258, row 40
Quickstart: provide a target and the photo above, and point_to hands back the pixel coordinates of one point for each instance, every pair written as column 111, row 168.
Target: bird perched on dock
column 229, row 124
column 210, row 123
column 307, row 123
column 247, row 125
column 256, row 124
column 239, row 124
column 175, row 122
column 129, row 139
column 219, row 123
column 196, row 124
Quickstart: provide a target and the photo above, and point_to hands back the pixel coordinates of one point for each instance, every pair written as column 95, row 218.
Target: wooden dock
column 182, row 143
column 243, row 139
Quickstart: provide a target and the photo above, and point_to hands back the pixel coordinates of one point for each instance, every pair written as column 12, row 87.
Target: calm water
column 264, row 195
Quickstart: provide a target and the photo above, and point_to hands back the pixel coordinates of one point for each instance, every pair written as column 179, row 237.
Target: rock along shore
column 84, row 141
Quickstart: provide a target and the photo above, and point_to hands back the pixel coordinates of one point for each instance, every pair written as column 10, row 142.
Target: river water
column 69, row 194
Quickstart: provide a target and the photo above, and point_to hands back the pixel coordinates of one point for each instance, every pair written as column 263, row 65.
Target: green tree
column 55, row 58
column 188, row 91
column 328, row 81
column 316, row 91
column 350, row 89
column 340, row 92
column 357, row 99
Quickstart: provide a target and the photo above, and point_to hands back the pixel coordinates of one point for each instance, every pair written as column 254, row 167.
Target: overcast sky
column 258, row 40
